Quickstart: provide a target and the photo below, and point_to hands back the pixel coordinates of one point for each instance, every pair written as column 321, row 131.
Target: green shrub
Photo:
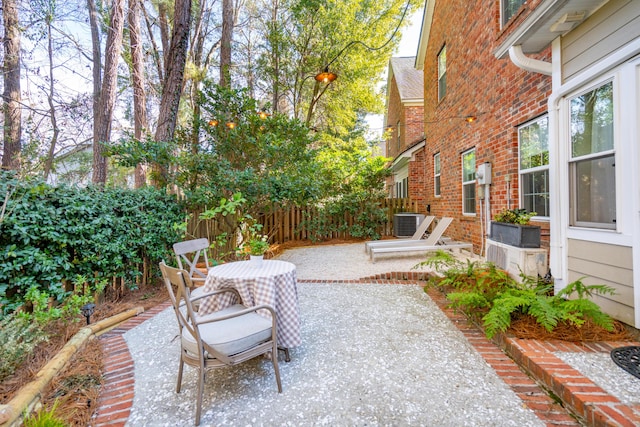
column 50, row 235
column 45, row 418
column 367, row 218
column 18, row 337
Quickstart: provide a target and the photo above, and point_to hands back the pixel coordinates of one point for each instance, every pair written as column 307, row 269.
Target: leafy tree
column 267, row 158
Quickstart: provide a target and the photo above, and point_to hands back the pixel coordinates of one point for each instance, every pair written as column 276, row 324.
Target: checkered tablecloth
column 272, row 282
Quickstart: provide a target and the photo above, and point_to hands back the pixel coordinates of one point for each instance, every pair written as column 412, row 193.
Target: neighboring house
column 405, row 129
column 555, row 88
column 73, row 166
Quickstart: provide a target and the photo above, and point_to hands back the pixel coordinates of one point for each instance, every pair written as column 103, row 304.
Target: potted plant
column 511, row 227
column 258, row 246
column 255, row 247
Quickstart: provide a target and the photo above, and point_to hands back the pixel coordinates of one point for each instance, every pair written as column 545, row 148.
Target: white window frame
column 469, row 182
column 536, row 169
column 573, row 162
column 441, row 66
column 398, row 138
column 437, row 168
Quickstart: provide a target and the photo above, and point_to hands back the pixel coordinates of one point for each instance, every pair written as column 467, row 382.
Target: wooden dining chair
column 191, row 252
column 224, row 338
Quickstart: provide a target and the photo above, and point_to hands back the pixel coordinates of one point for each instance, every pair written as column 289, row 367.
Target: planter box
column 520, row 236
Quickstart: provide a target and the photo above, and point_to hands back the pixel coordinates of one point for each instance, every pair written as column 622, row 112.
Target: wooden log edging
column 28, row 397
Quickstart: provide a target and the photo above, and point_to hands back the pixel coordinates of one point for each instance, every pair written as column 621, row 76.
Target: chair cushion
column 196, row 292
column 230, row 336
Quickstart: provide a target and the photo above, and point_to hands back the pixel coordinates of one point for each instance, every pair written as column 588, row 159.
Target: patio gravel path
column 372, row 354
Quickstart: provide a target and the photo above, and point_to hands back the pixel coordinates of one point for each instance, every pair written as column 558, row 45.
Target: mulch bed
column 526, row 327
column 77, row 388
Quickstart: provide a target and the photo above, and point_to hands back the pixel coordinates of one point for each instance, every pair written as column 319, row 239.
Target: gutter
column 529, row 64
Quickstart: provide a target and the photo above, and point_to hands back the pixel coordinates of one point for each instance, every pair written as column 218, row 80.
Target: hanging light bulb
column 326, row 76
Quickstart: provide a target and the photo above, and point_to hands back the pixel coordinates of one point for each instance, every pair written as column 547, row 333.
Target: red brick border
column 533, row 396
column 116, row 396
column 583, row 397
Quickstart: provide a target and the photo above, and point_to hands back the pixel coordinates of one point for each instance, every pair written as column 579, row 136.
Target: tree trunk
column 163, row 22
column 102, row 128
column 275, row 56
column 11, row 96
column 52, row 108
column 174, row 76
column 96, row 59
column 225, row 44
column 137, row 78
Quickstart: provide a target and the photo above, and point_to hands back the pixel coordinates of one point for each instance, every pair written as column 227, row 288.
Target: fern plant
column 482, row 288
column 548, row 310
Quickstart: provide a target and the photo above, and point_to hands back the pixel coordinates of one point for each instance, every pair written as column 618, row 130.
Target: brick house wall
column 405, row 117
column 501, row 96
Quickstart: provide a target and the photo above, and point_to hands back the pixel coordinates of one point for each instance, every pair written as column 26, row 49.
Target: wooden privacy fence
column 291, row 223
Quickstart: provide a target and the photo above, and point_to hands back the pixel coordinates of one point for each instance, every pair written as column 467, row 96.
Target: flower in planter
column 514, row 216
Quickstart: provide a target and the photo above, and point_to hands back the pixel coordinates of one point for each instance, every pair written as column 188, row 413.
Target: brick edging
column 583, row 397
column 533, row 395
column 116, row 395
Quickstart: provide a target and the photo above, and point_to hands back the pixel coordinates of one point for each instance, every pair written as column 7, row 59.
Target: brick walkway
column 580, row 396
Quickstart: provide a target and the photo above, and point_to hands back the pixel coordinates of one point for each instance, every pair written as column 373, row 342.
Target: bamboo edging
column 29, row 395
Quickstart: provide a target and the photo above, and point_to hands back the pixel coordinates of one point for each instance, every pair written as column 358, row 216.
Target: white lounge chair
column 434, row 242
column 418, row 235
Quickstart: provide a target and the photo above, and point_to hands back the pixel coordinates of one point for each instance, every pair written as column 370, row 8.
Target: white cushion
column 197, row 292
column 230, row 336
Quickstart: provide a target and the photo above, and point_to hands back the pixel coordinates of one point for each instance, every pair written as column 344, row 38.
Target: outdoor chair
column 418, row 235
column 434, row 242
column 223, row 338
column 190, row 252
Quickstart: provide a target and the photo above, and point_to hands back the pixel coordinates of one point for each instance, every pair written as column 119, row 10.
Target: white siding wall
column 615, row 25
column 605, row 47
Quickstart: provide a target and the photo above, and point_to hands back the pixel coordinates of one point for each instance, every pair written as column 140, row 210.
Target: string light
column 327, row 77
column 469, row 119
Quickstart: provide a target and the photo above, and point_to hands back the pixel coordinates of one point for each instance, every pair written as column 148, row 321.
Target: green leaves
column 482, row 287
column 52, row 234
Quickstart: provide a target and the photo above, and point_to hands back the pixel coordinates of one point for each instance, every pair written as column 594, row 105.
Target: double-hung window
column 436, row 174
column 442, row 73
column 592, row 159
column 469, row 182
column 533, row 143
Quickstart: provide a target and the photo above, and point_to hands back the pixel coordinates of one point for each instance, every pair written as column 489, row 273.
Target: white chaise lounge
column 418, row 235
column 434, row 242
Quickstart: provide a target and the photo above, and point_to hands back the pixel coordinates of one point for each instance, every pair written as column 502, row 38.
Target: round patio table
column 271, row 282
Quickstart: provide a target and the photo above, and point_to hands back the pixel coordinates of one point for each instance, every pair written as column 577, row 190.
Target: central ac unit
column 529, row 261
column 406, row 224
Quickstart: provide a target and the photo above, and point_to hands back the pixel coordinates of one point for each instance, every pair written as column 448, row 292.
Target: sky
column 409, row 42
